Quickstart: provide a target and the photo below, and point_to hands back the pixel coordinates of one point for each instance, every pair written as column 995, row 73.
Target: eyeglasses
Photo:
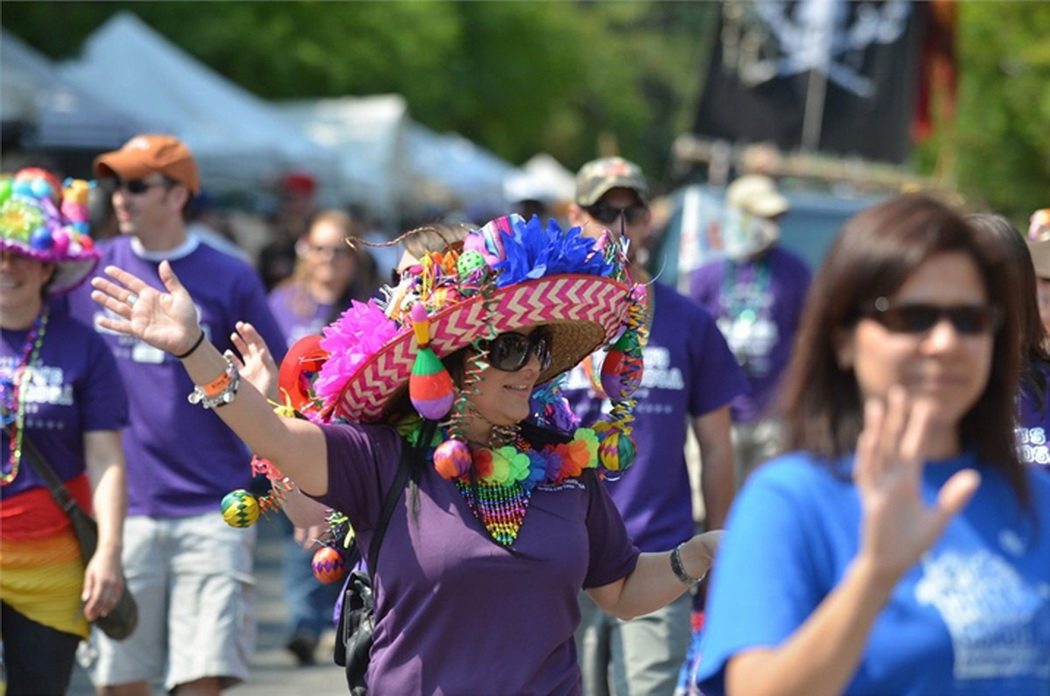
column 920, row 317
column 333, row 251
column 608, row 214
column 138, row 187
column 510, row 351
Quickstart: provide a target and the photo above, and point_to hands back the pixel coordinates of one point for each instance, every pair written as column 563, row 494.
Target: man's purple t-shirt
column 757, row 305
column 689, row 371
column 1033, row 422
column 73, row 388
column 456, row 613
column 181, row 458
column 288, row 304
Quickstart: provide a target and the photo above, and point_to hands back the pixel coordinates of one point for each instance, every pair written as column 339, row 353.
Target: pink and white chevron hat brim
column 582, row 311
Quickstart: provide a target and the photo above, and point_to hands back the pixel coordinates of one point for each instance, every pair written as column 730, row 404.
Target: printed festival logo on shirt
column 998, row 622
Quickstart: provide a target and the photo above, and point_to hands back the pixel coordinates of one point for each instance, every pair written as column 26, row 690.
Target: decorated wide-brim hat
column 510, row 275
column 48, row 222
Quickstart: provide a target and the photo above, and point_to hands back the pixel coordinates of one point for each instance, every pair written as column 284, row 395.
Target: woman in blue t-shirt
column 900, row 547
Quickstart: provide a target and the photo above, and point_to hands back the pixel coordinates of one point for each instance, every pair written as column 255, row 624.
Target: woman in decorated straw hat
column 503, row 523
column 59, row 390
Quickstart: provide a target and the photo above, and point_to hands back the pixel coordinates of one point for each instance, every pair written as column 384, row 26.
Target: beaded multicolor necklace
column 12, row 398
column 498, row 483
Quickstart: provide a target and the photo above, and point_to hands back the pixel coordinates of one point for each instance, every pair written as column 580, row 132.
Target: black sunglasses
column 919, row 317
column 138, row 186
column 510, row 351
column 608, row 214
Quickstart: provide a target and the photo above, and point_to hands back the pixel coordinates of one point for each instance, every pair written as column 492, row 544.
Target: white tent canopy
column 396, row 166
column 542, row 178
column 239, row 140
column 367, row 134
column 454, row 170
column 58, row 113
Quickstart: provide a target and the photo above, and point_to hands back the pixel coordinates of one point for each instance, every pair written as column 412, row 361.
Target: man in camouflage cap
column 689, row 376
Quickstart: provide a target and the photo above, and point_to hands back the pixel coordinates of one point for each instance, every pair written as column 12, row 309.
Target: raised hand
column 255, row 362
column 898, row 526
column 165, row 320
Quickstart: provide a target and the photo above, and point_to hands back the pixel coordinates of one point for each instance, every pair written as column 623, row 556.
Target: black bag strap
column 42, row 469
column 390, row 500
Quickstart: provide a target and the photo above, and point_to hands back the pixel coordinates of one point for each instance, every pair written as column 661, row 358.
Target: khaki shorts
column 192, row 579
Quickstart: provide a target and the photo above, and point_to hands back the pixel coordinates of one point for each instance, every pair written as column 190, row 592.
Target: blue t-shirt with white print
column 971, row 617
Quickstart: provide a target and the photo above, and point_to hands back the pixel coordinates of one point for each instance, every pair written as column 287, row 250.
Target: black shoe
column 302, row 644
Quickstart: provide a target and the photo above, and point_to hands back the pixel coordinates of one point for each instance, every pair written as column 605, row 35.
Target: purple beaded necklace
column 12, row 401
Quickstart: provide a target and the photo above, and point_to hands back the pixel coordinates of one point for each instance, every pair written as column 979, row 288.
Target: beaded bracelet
column 679, row 570
column 218, row 392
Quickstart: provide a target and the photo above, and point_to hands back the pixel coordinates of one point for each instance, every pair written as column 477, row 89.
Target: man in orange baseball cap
column 180, row 459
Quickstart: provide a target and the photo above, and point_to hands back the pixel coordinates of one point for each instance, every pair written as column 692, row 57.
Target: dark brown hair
column 1034, row 341
column 876, row 252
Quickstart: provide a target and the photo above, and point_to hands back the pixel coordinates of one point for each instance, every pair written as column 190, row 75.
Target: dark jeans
column 38, row 659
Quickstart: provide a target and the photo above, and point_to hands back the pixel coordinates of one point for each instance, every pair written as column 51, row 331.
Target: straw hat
column 509, row 275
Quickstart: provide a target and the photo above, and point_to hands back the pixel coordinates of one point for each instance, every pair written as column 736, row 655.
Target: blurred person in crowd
column 60, row 393
column 1033, row 423
column 1038, row 232
column 756, row 293
column 910, row 547
column 321, row 288
column 190, row 572
column 328, row 275
column 689, row 378
column 504, row 526
column 297, row 207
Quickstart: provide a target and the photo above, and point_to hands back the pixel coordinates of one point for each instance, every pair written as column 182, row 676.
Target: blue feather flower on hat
column 534, row 250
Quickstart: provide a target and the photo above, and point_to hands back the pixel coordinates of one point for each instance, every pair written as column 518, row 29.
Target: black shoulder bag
column 353, row 634
column 119, row 623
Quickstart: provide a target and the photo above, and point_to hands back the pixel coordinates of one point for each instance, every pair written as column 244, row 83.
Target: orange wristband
column 217, row 385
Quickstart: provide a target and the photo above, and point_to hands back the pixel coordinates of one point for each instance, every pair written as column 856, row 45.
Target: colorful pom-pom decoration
column 328, row 565
column 622, row 369
column 469, row 261
column 430, row 385
column 240, row 508
column 452, row 459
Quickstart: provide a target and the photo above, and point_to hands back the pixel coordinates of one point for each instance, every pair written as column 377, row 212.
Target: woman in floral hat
column 60, row 390
column 503, row 522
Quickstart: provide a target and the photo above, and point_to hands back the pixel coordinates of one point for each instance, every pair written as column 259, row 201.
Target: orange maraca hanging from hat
column 430, row 386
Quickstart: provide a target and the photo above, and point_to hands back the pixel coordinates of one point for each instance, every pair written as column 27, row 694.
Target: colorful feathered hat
column 48, row 221
column 509, row 274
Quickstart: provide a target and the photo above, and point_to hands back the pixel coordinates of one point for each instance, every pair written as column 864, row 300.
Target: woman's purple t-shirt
column 455, row 612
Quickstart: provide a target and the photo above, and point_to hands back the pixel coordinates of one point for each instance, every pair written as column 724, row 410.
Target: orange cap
column 148, row 154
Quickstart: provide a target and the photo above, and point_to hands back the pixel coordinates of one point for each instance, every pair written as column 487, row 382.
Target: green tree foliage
column 1000, row 141
column 517, row 77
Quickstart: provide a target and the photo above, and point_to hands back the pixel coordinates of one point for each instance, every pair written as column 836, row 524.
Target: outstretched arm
column 822, row 655
column 653, row 585
column 168, row 321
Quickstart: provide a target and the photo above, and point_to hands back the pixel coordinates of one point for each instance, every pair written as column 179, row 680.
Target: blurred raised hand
column 255, row 362
column 165, row 320
column 898, row 526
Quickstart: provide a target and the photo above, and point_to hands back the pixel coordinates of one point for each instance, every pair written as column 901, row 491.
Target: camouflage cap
column 598, row 177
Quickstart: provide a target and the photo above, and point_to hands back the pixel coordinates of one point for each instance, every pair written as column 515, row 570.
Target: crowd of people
column 510, row 413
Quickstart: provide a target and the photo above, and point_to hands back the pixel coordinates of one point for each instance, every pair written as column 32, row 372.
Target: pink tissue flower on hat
column 353, row 338
column 1039, row 225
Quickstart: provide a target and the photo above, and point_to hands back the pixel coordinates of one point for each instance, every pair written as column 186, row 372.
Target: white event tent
column 52, row 112
column 240, row 141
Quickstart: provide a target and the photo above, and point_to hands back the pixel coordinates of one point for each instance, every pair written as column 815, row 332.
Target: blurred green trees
column 576, row 79
column 517, row 77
